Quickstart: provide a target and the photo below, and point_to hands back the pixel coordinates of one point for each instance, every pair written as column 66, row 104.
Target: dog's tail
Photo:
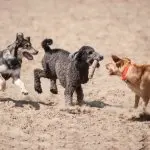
column 46, row 44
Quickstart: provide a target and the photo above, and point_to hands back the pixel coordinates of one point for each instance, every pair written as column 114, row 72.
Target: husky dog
column 11, row 60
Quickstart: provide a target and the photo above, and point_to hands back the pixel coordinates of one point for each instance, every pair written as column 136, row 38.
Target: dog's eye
column 90, row 52
column 26, row 46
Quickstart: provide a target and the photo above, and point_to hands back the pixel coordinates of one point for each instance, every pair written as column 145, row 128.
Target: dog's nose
column 35, row 53
column 101, row 57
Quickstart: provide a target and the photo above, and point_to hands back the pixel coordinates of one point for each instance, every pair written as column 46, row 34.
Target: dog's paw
column 54, row 91
column 81, row 103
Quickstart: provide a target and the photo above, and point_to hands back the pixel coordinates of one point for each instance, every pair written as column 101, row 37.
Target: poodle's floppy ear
column 27, row 55
column 19, row 37
column 115, row 58
column 77, row 55
column 74, row 56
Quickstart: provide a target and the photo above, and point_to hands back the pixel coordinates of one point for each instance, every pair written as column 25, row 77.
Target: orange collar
column 124, row 73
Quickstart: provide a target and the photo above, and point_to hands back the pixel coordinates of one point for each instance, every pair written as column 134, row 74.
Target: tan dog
column 137, row 77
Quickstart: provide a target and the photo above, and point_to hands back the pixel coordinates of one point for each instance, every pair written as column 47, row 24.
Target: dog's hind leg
column 146, row 100
column 38, row 73
column 80, row 95
column 53, row 87
column 137, row 98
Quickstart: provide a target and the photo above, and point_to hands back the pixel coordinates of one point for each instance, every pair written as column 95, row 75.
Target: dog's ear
column 76, row 55
column 115, row 58
column 19, row 37
column 79, row 54
column 73, row 56
column 28, row 38
column 27, row 55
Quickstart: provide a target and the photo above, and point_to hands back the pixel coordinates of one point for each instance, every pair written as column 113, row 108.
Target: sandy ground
column 112, row 27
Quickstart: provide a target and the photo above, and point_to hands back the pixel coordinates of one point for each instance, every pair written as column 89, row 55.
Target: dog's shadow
column 21, row 103
column 100, row 104
column 142, row 117
column 96, row 103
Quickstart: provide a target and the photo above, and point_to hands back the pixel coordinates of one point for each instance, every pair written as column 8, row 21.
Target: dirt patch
column 120, row 27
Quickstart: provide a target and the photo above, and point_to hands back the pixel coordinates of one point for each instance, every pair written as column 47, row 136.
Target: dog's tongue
column 92, row 68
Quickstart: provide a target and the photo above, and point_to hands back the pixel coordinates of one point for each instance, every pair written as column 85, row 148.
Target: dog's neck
column 131, row 74
column 83, row 68
column 125, row 72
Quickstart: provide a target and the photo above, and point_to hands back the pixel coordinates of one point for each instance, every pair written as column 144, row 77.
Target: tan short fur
column 137, row 77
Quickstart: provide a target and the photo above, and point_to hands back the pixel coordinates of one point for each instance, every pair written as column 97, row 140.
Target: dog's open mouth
column 91, row 63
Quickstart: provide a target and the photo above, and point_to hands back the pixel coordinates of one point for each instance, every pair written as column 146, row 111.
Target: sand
column 35, row 122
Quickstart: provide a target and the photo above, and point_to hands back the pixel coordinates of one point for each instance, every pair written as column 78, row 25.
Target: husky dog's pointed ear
column 115, row 58
column 19, row 37
column 27, row 55
column 28, row 38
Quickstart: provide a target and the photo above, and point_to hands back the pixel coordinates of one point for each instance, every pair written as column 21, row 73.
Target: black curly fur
column 72, row 71
column 46, row 43
column 37, row 82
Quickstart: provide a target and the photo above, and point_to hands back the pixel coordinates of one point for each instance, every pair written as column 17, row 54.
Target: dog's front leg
column 80, row 95
column 137, row 98
column 17, row 81
column 20, row 84
column 38, row 74
column 68, row 95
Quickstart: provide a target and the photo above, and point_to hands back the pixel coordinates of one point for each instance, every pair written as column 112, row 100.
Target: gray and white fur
column 11, row 60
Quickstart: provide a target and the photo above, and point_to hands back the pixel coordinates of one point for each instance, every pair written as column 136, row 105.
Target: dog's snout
column 98, row 56
column 101, row 57
column 36, row 52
